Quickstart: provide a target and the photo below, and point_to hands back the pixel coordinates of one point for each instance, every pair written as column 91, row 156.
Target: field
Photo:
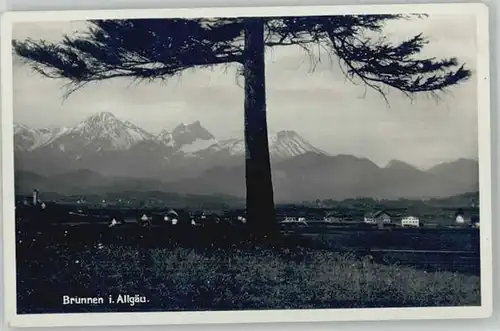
column 216, row 270
column 189, row 279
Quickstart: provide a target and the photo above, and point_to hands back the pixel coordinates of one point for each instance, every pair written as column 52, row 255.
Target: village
column 385, row 219
column 117, row 212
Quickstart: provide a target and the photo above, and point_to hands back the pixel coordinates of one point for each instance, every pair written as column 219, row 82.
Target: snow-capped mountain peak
column 98, row 120
column 103, row 132
column 181, row 128
column 192, row 137
column 104, row 115
column 282, row 144
column 165, row 138
column 107, row 131
column 28, row 139
column 231, row 146
column 287, row 143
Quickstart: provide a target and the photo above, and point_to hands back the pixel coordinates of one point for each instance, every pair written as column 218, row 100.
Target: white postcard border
column 257, row 316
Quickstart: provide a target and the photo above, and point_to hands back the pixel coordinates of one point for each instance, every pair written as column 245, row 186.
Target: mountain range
column 109, row 146
column 105, row 154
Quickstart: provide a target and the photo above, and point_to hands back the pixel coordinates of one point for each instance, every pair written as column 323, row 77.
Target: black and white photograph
column 232, row 160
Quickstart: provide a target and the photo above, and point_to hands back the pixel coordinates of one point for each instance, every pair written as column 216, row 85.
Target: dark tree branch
column 162, row 48
column 378, row 64
column 375, row 61
column 140, row 49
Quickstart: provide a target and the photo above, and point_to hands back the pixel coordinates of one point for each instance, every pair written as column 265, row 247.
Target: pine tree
column 157, row 49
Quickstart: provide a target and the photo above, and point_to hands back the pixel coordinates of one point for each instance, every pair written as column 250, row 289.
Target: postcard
column 246, row 165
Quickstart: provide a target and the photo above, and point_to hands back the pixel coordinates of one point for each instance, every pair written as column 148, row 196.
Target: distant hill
column 305, row 177
column 316, row 176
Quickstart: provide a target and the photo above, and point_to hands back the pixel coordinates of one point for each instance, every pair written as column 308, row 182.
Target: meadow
column 183, row 268
column 183, row 279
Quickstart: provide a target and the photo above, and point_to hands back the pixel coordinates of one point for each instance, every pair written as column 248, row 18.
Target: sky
column 330, row 112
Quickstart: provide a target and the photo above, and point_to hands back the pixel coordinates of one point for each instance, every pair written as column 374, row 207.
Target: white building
column 332, row 218
column 145, row 220
column 172, row 216
column 171, row 219
column 297, row 220
column 113, row 223
column 459, row 219
column 379, row 217
column 410, row 221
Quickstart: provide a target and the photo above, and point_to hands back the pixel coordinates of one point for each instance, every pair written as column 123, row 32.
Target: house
column 410, row 221
column 197, row 218
column 31, row 202
column 116, row 218
column 380, row 216
column 332, row 218
column 171, row 217
column 294, row 220
column 289, row 219
column 115, row 222
column 461, row 219
column 145, row 220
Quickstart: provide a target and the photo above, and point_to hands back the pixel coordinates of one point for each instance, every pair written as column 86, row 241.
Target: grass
column 176, row 279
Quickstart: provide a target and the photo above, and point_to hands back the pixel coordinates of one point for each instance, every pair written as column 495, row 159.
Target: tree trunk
column 259, row 187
